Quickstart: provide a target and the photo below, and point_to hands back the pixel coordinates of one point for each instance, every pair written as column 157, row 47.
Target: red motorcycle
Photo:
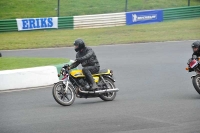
column 194, row 65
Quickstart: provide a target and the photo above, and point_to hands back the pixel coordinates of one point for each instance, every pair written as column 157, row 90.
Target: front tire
column 110, row 95
column 196, row 83
column 61, row 97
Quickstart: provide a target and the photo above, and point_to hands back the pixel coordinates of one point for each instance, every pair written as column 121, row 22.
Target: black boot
column 87, row 86
column 94, row 85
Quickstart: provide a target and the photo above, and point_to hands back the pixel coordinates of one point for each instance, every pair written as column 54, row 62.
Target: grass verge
column 166, row 31
column 46, row 8
column 8, row 63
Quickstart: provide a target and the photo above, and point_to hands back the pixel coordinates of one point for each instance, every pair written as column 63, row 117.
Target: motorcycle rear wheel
column 196, row 83
column 61, row 97
column 110, row 95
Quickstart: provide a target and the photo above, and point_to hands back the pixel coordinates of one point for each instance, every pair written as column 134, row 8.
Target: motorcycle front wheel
column 62, row 97
column 196, row 83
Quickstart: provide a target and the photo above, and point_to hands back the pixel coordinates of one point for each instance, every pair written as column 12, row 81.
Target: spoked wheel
column 65, row 98
column 196, row 83
column 109, row 96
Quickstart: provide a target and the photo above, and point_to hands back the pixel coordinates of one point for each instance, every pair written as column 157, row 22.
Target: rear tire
column 60, row 96
column 196, row 83
column 110, row 95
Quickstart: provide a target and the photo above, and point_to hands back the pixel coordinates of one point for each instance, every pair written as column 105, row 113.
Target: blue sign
column 142, row 17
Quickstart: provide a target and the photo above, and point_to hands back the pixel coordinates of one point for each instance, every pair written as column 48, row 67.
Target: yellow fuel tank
column 79, row 74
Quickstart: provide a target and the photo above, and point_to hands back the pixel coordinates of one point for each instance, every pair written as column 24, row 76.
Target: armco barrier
column 66, row 22
column 106, row 20
column 99, row 20
column 8, row 25
column 11, row 24
column 181, row 12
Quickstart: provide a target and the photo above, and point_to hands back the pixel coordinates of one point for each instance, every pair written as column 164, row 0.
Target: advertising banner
column 37, row 23
column 142, row 17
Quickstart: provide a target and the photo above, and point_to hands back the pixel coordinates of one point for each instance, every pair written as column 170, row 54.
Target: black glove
column 190, row 70
column 66, row 66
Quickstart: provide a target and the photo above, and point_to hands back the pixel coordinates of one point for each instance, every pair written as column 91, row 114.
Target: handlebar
column 65, row 68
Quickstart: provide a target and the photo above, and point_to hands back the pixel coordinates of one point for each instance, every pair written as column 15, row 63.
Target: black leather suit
column 87, row 58
column 197, row 54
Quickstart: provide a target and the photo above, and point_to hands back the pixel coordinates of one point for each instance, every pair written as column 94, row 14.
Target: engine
column 82, row 82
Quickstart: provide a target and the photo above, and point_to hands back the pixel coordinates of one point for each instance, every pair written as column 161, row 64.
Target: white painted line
column 25, row 89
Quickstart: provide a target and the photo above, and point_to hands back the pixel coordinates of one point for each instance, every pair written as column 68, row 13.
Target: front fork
column 66, row 83
column 193, row 76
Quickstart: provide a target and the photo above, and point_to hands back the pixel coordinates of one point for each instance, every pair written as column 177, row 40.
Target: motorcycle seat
column 103, row 71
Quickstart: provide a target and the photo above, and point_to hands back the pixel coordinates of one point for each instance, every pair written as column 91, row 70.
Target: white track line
column 25, row 89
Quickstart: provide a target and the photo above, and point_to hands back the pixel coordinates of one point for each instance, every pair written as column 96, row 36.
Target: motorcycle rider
column 196, row 48
column 196, row 52
column 87, row 58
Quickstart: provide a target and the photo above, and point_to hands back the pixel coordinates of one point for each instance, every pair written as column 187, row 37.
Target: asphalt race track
column 156, row 95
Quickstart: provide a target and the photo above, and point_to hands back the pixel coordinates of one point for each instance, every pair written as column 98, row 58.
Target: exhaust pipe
column 100, row 91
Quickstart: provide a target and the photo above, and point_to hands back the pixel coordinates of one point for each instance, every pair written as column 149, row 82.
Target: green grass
column 166, row 31
column 8, row 63
column 46, row 8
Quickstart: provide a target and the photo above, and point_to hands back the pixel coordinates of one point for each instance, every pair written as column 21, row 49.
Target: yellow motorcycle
column 73, row 85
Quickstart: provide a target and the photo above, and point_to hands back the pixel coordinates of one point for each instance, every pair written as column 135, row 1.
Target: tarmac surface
column 156, row 95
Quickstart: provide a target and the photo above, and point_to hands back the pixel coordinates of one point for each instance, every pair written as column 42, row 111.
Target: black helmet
column 80, row 43
column 196, row 44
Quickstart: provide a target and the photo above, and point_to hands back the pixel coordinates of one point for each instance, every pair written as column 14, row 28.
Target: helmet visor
column 76, row 44
column 195, row 49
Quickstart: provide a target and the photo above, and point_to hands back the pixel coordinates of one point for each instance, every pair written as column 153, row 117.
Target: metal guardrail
column 99, row 20
column 66, row 22
column 11, row 24
column 181, row 12
column 8, row 25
